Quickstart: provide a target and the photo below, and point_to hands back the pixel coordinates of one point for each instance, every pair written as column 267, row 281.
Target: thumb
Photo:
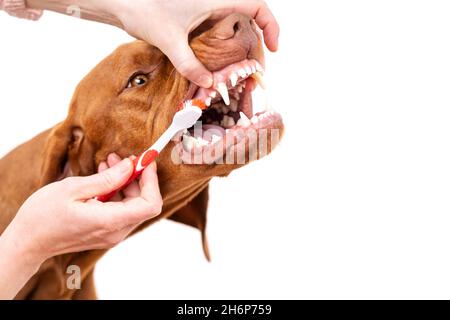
column 185, row 61
column 104, row 182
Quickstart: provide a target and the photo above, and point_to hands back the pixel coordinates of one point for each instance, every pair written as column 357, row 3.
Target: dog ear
column 194, row 214
column 67, row 153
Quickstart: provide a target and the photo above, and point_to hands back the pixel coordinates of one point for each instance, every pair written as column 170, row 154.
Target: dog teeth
column 223, row 91
column 234, row 79
column 248, row 70
column 253, row 69
column 239, row 89
column 213, row 94
column 260, row 80
column 242, row 73
column 208, row 101
column 215, row 139
column 243, row 121
column 259, row 68
column 225, row 110
column 227, row 122
column 234, row 105
column 254, row 120
column 188, row 143
column 202, row 142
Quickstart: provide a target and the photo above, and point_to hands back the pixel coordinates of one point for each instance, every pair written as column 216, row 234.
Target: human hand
column 167, row 24
column 62, row 217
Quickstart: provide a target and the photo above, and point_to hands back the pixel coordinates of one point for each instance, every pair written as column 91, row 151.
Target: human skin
column 77, row 222
column 145, row 19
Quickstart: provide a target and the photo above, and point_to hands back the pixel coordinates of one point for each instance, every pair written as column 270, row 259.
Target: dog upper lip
column 229, row 78
column 191, row 91
column 243, row 69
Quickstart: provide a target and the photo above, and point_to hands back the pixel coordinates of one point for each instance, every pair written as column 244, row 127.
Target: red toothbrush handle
column 139, row 164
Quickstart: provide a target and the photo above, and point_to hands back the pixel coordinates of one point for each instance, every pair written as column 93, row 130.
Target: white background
column 354, row 204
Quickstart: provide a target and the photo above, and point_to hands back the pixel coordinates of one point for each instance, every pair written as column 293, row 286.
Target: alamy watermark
column 74, row 279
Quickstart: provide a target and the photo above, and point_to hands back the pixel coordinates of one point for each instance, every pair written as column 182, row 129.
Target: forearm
column 17, row 266
column 100, row 10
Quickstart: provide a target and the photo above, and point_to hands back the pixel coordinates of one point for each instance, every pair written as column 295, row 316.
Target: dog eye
column 138, row 81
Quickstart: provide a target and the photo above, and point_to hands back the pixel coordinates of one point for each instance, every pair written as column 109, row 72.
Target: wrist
column 121, row 10
column 21, row 250
column 17, row 264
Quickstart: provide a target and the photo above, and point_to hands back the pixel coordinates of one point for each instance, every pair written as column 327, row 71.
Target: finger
column 118, row 215
column 267, row 22
column 113, row 159
column 150, row 186
column 132, row 191
column 186, row 62
column 102, row 183
column 102, row 166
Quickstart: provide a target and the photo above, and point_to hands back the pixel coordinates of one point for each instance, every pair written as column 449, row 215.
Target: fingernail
column 205, row 81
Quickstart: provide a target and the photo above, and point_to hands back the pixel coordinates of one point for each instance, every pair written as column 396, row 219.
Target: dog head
column 127, row 101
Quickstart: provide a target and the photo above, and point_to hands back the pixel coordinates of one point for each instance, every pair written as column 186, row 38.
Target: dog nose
column 236, row 26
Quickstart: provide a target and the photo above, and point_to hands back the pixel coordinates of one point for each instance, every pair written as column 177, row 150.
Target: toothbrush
column 188, row 114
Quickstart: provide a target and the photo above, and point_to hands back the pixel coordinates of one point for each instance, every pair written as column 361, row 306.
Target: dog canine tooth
column 259, row 68
column 223, row 91
column 243, row 121
column 234, row 79
column 260, row 80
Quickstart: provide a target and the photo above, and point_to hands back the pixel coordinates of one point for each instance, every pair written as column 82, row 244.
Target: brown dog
column 123, row 106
